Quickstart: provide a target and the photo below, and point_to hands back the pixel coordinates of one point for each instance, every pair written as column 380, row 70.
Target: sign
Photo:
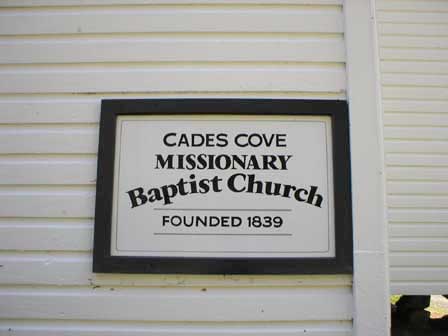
column 223, row 186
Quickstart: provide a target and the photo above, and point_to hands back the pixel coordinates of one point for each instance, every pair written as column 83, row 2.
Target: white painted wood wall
column 58, row 60
column 413, row 39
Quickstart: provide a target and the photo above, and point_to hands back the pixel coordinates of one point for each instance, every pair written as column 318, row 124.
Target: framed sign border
column 104, row 262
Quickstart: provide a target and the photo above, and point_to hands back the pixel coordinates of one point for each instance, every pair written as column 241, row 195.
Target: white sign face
column 223, row 186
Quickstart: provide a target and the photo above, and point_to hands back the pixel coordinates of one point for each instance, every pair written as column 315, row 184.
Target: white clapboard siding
column 424, row 6
column 48, row 111
column 422, row 259
column 46, row 237
column 58, row 59
column 187, row 49
column 409, row 105
column 83, row 20
column 413, row 44
column 416, row 133
column 65, row 202
column 74, row 269
column 417, row 216
column 410, row 29
column 420, row 287
column 415, row 54
column 150, row 304
column 40, row 3
column 422, row 146
column 415, row 273
column 414, row 66
column 48, row 139
column 418, row 244
column 417, row 173
column 419, row 230
column 418, row 201
column 417, row 187
column 416, row 119
column 412, row 17
column 407, row 159
column 77, row 328
column 51, row 170
column 168, row 78
column 422, row 92
column 403, row 79
column 82, row 328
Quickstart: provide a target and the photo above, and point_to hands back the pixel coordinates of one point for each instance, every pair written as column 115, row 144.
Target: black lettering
column 165, row 139
column 165, row 220
column 176, row 221
column 231, row 182
column 284, row 160
column 268, row 140
column 269, row 162
column 297, row 195
column 193, row 185
column 281, row 140
column 241, row 161
column 181, row 187
column 222, row 140
column 225, row 221
column 156, row 195
column 213, row 221
column 215, row 184
column 135, row 195
column 197, row 140
column 186, row 221
column 202, row 161
column 203, row 186
column 313, row 195
column 273, row 191
column 168, row 192
column 287, row 191
column 190, row 161
column 183, row 140
column 253, row 163
column 180, row 161
column 251, row 183
column 209, row 140
column 259, row 139
column 166, row 163
column 237, row 140
column 219, row 162
column 236, row 221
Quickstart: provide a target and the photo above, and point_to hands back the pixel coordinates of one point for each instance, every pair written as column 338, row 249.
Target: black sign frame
column 342, row 263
